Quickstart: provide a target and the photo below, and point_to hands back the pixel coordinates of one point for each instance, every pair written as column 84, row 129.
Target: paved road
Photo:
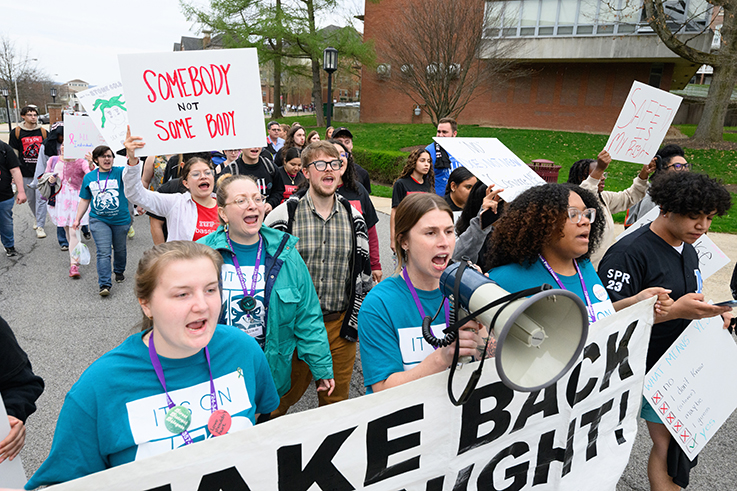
column 64, row 326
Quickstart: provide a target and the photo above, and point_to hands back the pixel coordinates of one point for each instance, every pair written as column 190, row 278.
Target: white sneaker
column 40, row 233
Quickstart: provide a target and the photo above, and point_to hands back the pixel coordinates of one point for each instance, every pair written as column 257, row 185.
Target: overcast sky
column 82, row 39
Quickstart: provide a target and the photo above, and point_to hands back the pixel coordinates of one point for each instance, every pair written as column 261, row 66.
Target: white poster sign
column 194, row 101
column 576, row 434
column 641, row 126
column 105, row 104
column 688, row 387
column 12, row 475
column 711, row 257
column 492, row 163
column 80, row 136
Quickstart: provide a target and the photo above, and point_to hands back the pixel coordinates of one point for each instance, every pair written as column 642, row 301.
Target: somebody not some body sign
column 576, row 434
column 492, row 163
column 194, row 101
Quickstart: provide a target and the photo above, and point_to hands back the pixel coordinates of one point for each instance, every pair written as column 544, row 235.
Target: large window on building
column 527, row 18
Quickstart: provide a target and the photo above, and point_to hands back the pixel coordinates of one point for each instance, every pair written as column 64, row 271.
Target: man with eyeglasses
column 274, row 141
column 662, row 255
column 333, row 242
column 591, row 175
column 668, row 159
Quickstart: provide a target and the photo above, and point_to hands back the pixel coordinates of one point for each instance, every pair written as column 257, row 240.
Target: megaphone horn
column 539, row 337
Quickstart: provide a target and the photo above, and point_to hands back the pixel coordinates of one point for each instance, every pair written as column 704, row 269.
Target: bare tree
column 17, row 66
column 724, row 61
column 434, row 53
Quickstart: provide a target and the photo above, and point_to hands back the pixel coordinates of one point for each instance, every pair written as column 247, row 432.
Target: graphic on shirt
column 603, row 309
column 107, row 202
column 252, row 323
column 356, row 204
column 264, row 188
column 616, row 280
column 31, row 146
column 146, row 416
column 413, row 346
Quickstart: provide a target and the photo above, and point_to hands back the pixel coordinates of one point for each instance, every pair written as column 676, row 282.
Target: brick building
column 582, row 55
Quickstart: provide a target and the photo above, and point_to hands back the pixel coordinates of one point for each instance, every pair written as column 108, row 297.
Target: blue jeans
column 107, row 237
column 61, row 236
column 6, row 222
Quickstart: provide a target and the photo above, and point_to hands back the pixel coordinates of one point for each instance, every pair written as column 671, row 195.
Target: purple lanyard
column 255, row 268
column 98, row 181
column 589, row 305
column 413, row 292
column 160, row 373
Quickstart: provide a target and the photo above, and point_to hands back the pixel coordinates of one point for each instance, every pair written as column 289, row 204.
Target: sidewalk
column 716, row 287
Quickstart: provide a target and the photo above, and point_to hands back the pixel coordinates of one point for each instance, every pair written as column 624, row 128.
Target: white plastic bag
column 81, row 253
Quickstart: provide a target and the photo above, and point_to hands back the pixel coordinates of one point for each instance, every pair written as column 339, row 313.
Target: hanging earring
column 225, row 227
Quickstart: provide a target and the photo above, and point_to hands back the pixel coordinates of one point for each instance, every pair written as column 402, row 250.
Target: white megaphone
column 539, row 337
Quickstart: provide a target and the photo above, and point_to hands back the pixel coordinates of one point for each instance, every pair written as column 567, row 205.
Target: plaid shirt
column 325, row 246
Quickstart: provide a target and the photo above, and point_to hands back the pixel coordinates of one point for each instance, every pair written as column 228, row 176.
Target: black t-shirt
column 362, row 202
column 452, row 205
column 407, row 185
column 642, row 260
column 284, row 186
column 362, row 176
column 264, row 178
column 28, row 145
column 8, row 160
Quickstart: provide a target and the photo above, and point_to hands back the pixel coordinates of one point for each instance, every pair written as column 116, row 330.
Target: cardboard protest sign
column 574, row 435
column 641, row 126
column 105, row 105
column 711, row 257
column 80, row 136
column 492, row 163
column 194, row 101
column 12, row 474
column 688, row 388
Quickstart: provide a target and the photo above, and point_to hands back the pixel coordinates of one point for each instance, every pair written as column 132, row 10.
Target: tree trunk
column 711, row 125
column 317, row 92
column 277, row 82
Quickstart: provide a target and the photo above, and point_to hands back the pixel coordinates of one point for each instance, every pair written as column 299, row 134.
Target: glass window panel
column 548, row 12
column 567, row 12
column 585, row 30
column 625, row 28
column 493, row 14
column 511, row 14
column 491, row 32
column 545, row 31
column 630, row 13
column 509, row 31
column 529, row 12
column 607, row 14
column 609, row 29
column 564, row 30
column 527, row 31
column 587, row 11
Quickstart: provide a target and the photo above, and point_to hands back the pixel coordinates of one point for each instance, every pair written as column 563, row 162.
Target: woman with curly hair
column 416, row 177
column 546, row 235
column 295, row 138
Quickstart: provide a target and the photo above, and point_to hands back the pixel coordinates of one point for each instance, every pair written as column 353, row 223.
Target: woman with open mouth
column 141, row 398
column 189, row 216
column 393, row 351
column 546, row 235
column 264, row 273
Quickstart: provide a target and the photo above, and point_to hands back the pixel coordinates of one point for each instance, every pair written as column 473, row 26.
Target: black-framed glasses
column 242, row 201
column 574, row 214
column 321, row 165
column 683, row 166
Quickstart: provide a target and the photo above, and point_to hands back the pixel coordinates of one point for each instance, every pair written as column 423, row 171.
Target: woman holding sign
column 189, row 216
column 393, row 351
column 132, row 402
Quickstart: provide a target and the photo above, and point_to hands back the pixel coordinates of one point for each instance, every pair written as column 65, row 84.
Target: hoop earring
column 225, row 227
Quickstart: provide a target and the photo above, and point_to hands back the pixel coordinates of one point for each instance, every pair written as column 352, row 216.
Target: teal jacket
column 293, row 314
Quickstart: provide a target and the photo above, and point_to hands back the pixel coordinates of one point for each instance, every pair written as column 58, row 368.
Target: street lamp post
column 4, row 92
column 53, row 94
column 330, row 64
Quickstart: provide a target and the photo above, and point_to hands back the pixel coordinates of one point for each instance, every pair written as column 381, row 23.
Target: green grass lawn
column 563, row 148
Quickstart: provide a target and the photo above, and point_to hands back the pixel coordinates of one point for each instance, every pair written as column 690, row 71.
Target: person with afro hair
column 662, row 255
column 591, row 175
column 546, row 235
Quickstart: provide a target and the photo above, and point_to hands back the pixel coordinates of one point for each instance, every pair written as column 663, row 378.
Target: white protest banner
column 194, row 101
column 12, row 475
column 688, row 387
column 80, row 136
column 105, row 105
column 492, row 163
column 711, row 257
column 574, row 435
column 642, row 124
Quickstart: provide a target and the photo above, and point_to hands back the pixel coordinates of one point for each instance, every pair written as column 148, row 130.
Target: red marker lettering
column 195, row 82
column 159, row 124
column 153, row 92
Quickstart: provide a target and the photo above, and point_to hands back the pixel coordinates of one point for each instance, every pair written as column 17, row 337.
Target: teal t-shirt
column 107, row 196
column 390, row 329
column 115, row 412
column 514, row 277
column 252, row 323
